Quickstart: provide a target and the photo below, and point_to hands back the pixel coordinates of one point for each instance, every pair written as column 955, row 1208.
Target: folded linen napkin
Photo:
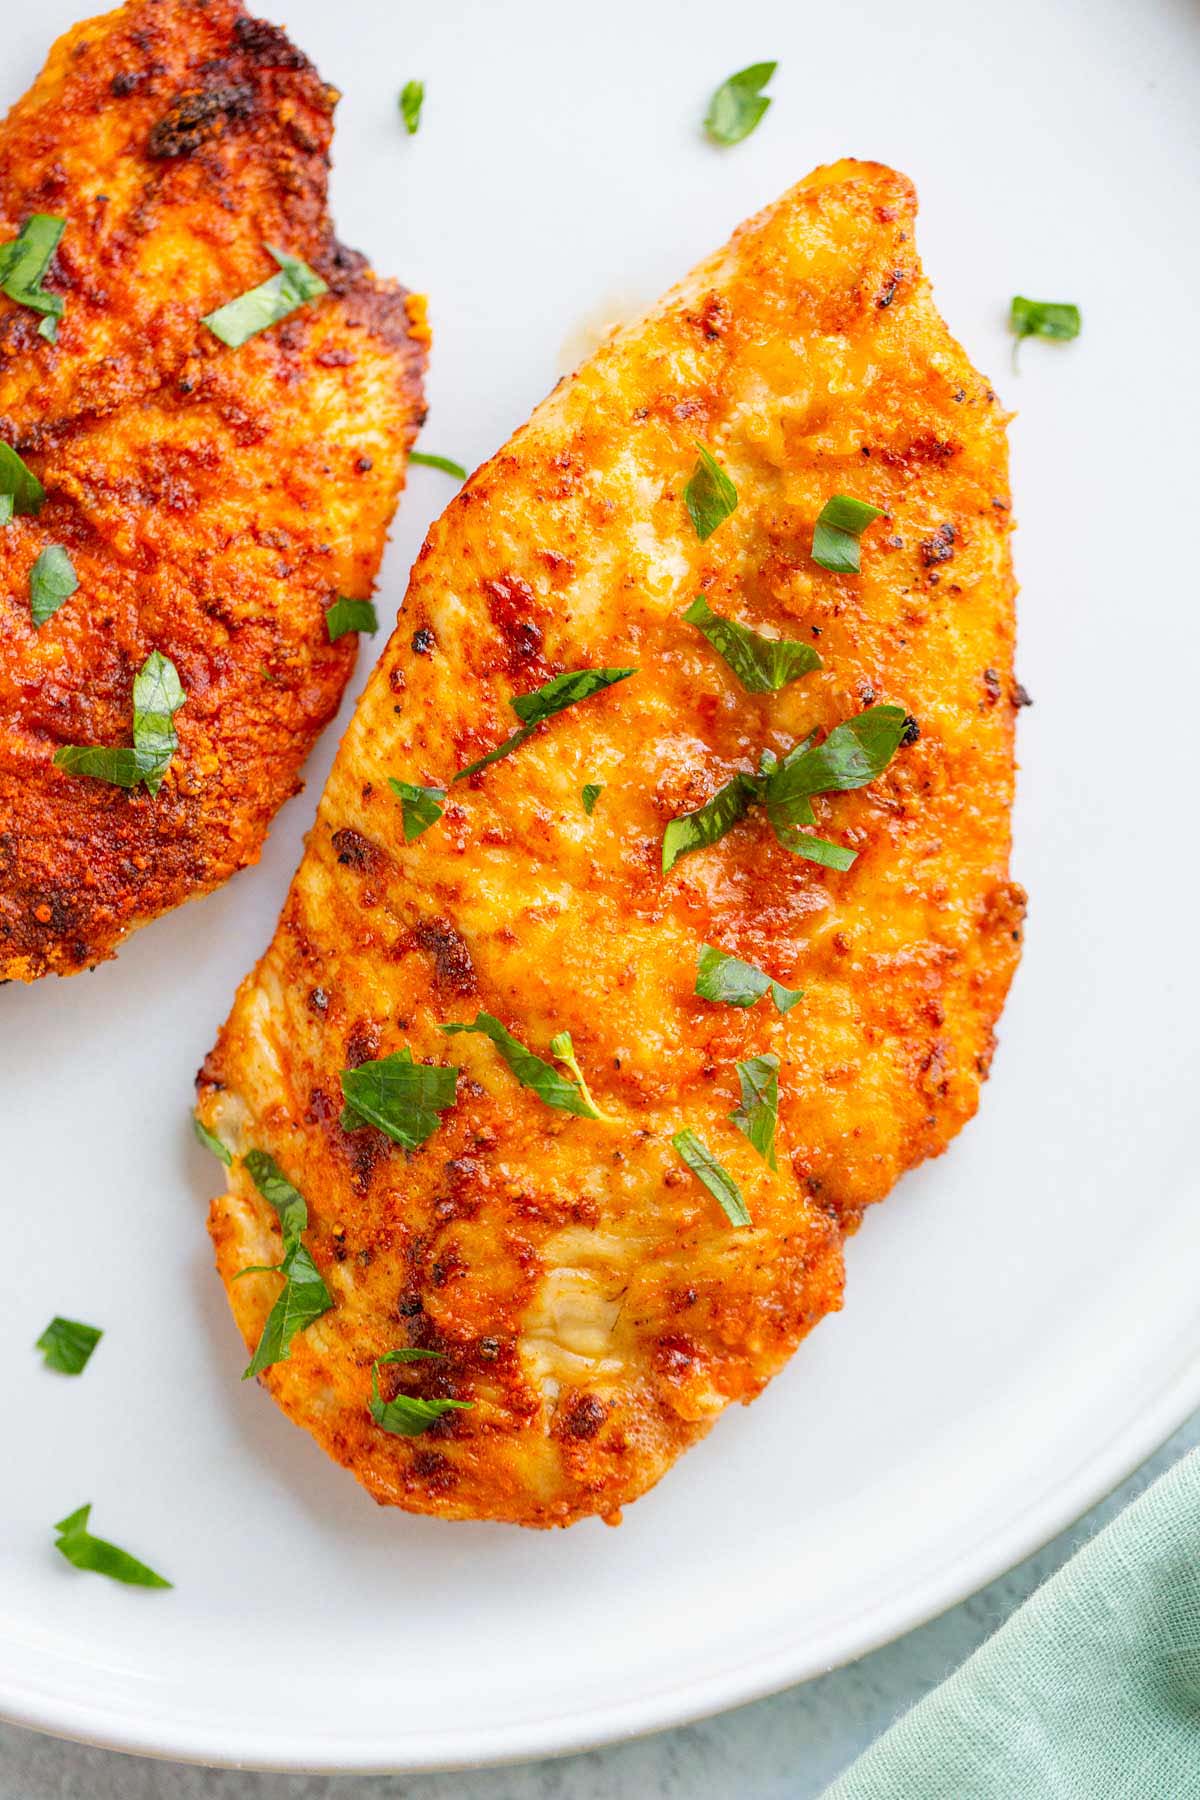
column 1090, row 1691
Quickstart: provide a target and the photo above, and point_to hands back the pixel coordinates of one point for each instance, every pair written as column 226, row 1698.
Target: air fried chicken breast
column 213, row 501
column 585, row 1294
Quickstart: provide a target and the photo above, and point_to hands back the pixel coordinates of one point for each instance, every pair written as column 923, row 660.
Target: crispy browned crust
column 588, row 1295
column 213, row 501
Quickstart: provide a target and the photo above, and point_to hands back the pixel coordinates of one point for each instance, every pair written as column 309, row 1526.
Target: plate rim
column 569, row 1734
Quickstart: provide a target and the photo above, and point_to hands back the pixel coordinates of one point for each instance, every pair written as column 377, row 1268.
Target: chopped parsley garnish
column 211, row 1141
column 294, row 286
column 739, row 104
column 719, row 1182
column 710, row 495
column 66, row 1345
column 425, row 461
column 52, row 580
column 412, row 98
column 1057, row 319
column 839, row 526
column 532, row 1072
column 763, row 665
column 407, row 1416
column 757, row 1113
column 349, row 615
column 420, row 807
column 304, row 1297
column 401, row 1097
column 725, row 978
column 97, row 1555
column 591, row 794
column 157, row 697
column 23, row 264
column 18, row 485
column 853, row 754
column 552, row 697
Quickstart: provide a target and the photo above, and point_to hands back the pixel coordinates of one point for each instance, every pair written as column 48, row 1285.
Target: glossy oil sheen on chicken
column 585, row 1293
column 213, row 501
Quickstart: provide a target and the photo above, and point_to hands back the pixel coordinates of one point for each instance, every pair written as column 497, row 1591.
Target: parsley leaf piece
column 66, row 1345
column 408, row 1354
column 288, row 1202
column 727, row 979
column 739, row 104
column 19, row 484
column 412, row 98
column 265, row 305
column 212, row 1142
column 6, row 508
column 400, row 1096
column 443, row 463
column 719, row 1182
column 77, row 1544
column 694, row 830
column 420, row 807
column 406, row 1416
column 854, row 753
column 763, row 665
column 304, row 1297
column 530, row 1070
column 757, row 1113
column 349, row 615
column 52, row 580
column 839, row 526
column 552, row 697
column 591, row 794
column 157, row 696
column 710, row 495
column 1045, row 318
column 563, row 1051
column 23, row 264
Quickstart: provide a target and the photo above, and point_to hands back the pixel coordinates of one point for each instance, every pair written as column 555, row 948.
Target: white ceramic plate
column 1023, row 1319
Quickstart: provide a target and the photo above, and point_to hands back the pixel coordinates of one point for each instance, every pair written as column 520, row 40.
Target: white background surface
column 1022, row 1319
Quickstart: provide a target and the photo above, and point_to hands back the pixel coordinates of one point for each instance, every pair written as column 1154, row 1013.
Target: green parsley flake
column 265, row 305
column 406, row 1415
column 52, row 580
column 543, row 703
column 157, row 697
column 728, row 980
column 24, row 261
column 425, row 461
column 763, row 665
column 739, row 104
column 399, row 1096
column 839, row 526
column 420, row 807
column 98, row 1556
column 591, row 794
column 719, row 1182
column 349, row 615
column 304, row 1297
column 710, row 496
column 534, row 1073
column 412, row 98
column 757, row 1113
column 211, row 1142
column 66, row 1345
column 18, row 485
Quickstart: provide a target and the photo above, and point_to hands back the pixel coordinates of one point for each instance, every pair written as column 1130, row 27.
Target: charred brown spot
column 940, row 547
column 423, row 641
column 452, row 963
column 1020, row 695
column 888, row 294
column 991, row 682
column 362, row 1042
column 582, row 1416
column 512, row 603
column 268, row 44
column 191, row 118
column 354, row 851
column 910, row 732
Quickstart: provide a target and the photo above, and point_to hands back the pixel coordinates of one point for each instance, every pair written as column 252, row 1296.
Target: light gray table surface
column 786, row 1748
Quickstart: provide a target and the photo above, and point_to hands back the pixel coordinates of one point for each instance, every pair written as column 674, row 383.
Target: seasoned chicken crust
column 588, row 1296
column 213, row 501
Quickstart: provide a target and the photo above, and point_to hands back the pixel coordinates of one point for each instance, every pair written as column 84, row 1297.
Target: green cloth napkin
column 1090, row 1691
